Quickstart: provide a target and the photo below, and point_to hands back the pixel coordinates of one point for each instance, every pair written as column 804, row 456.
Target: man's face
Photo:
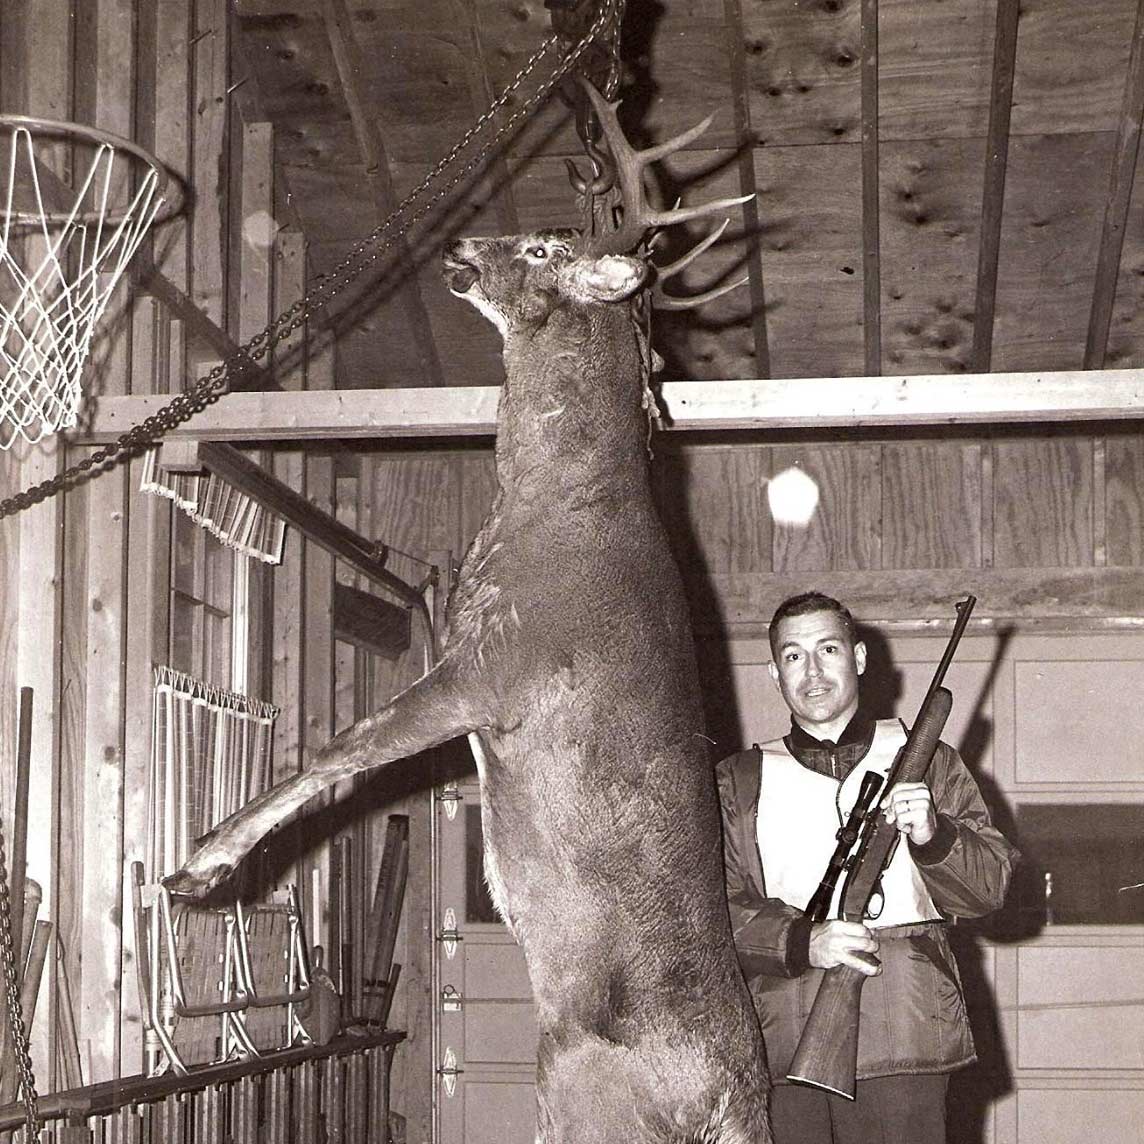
column 816, row 669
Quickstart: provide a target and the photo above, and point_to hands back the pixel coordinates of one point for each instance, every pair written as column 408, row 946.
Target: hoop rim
column 97, row 135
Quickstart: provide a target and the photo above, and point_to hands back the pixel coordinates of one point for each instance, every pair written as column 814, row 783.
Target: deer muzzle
column 459, row 274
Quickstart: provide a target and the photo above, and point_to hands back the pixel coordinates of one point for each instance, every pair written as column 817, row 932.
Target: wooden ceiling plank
column 871, row 254
column 1120, row 185
column 349, row 62
column 1051, row 397
column 745, row 141
column 993, row 195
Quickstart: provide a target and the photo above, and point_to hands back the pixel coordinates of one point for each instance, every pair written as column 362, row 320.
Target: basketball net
column 58, row 269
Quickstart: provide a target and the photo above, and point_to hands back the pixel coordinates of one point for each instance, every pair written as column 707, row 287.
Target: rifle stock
column 827, row 1053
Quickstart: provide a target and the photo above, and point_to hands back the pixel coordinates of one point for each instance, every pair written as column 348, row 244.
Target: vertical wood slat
column 871, row 252
column 147, row 617
column 744, row 136
column 993, row 194
column 106, row 79
column 1121, row 178
column 37, row 79
column 210, row 45
column 1099, row 502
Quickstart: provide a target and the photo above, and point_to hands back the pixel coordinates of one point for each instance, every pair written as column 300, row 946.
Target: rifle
column 827, row 1054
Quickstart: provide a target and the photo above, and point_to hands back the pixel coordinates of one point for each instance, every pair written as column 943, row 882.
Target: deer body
column 568, row 651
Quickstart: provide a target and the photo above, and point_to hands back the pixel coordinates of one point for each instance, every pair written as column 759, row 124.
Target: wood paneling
column 1124, row 488
column 1042, row 508
column 931, row 204
column 929, row 494
column 802, row 65
column 845, row 531
column 934, row 63
column 715, row 508
column 1071, row 61
column 811, row 251
column 1049, row 241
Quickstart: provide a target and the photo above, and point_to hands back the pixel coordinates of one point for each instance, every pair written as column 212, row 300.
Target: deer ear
column 605, row 278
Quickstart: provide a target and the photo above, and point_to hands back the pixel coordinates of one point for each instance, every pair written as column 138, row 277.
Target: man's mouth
column 816, row 692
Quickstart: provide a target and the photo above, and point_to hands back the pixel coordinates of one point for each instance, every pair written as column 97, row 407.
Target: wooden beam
column 748, row 185
column 993, row 195
column 351, row 64
column 1119, row 197
column 795, row 403
column 370, row 623
column 871, row 244
column 318, row 526
column 920, row 600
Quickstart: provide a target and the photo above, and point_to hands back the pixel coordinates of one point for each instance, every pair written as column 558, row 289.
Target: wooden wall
column 94, row 583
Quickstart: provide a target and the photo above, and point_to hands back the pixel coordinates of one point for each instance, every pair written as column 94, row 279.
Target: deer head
column 516, row 282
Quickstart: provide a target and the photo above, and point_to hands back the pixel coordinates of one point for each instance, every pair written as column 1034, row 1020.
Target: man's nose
column 813, row 667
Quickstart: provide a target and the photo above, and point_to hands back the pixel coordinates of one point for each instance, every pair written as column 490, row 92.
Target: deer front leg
column 439, row 706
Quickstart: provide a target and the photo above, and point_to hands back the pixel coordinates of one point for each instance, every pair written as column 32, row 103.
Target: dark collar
column 830, row 758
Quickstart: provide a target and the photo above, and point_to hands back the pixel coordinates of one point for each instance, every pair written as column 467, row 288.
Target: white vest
column 797, row 829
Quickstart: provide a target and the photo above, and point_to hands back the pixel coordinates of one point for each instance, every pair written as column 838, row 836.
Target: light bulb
column 793, row 497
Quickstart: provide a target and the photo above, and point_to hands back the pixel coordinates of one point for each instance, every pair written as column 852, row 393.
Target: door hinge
column 448, row 1072
column 449, row 935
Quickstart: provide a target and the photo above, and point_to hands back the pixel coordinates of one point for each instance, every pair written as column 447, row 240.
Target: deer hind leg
column 441, row 705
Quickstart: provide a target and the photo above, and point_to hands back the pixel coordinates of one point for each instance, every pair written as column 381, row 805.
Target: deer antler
column 665, row 301
column 637, row 215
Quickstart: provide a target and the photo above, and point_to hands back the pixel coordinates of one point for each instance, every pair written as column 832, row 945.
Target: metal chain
column 15, row 1012
column 364, row 254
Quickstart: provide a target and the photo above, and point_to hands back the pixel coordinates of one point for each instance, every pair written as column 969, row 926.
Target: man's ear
column 860, row 656
column 774, row 673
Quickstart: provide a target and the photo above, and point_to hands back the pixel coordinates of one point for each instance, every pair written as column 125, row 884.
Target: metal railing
column 336, row 1093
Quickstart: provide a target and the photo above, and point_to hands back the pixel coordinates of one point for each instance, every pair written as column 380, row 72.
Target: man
column 782, row 806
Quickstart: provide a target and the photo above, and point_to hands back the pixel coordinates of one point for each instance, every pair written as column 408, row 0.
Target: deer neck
column 572, row 407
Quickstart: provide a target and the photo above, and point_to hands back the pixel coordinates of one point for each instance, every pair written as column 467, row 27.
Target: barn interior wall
column 1046, row 527
column 101, row 584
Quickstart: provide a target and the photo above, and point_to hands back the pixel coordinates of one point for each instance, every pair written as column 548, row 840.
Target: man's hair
column 802, row 605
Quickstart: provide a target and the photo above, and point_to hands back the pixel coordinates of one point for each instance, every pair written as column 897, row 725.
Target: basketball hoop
column 63, row 249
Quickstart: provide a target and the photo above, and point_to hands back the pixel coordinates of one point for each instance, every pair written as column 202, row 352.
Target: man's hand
column 843, row 943
column 909, row 807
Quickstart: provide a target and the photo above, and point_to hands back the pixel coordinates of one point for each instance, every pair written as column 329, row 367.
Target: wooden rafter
column 748, row 185
column 871, row 252
column 818, row 403
column 350, row 65
column 1119, row 197
column 993, row 195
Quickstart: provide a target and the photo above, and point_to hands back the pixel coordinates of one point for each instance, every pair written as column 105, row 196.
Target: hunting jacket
column 913, row 1017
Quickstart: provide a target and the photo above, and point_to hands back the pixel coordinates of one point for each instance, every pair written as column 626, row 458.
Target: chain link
column 15, row 1013
column 362, row 255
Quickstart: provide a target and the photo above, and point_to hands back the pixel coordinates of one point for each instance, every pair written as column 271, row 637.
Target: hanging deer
column 568, row 658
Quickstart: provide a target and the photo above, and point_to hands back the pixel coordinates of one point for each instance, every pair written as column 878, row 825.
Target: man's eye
column 540, row 253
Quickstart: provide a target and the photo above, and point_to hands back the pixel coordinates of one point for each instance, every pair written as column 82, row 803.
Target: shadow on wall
column 975, row 1089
